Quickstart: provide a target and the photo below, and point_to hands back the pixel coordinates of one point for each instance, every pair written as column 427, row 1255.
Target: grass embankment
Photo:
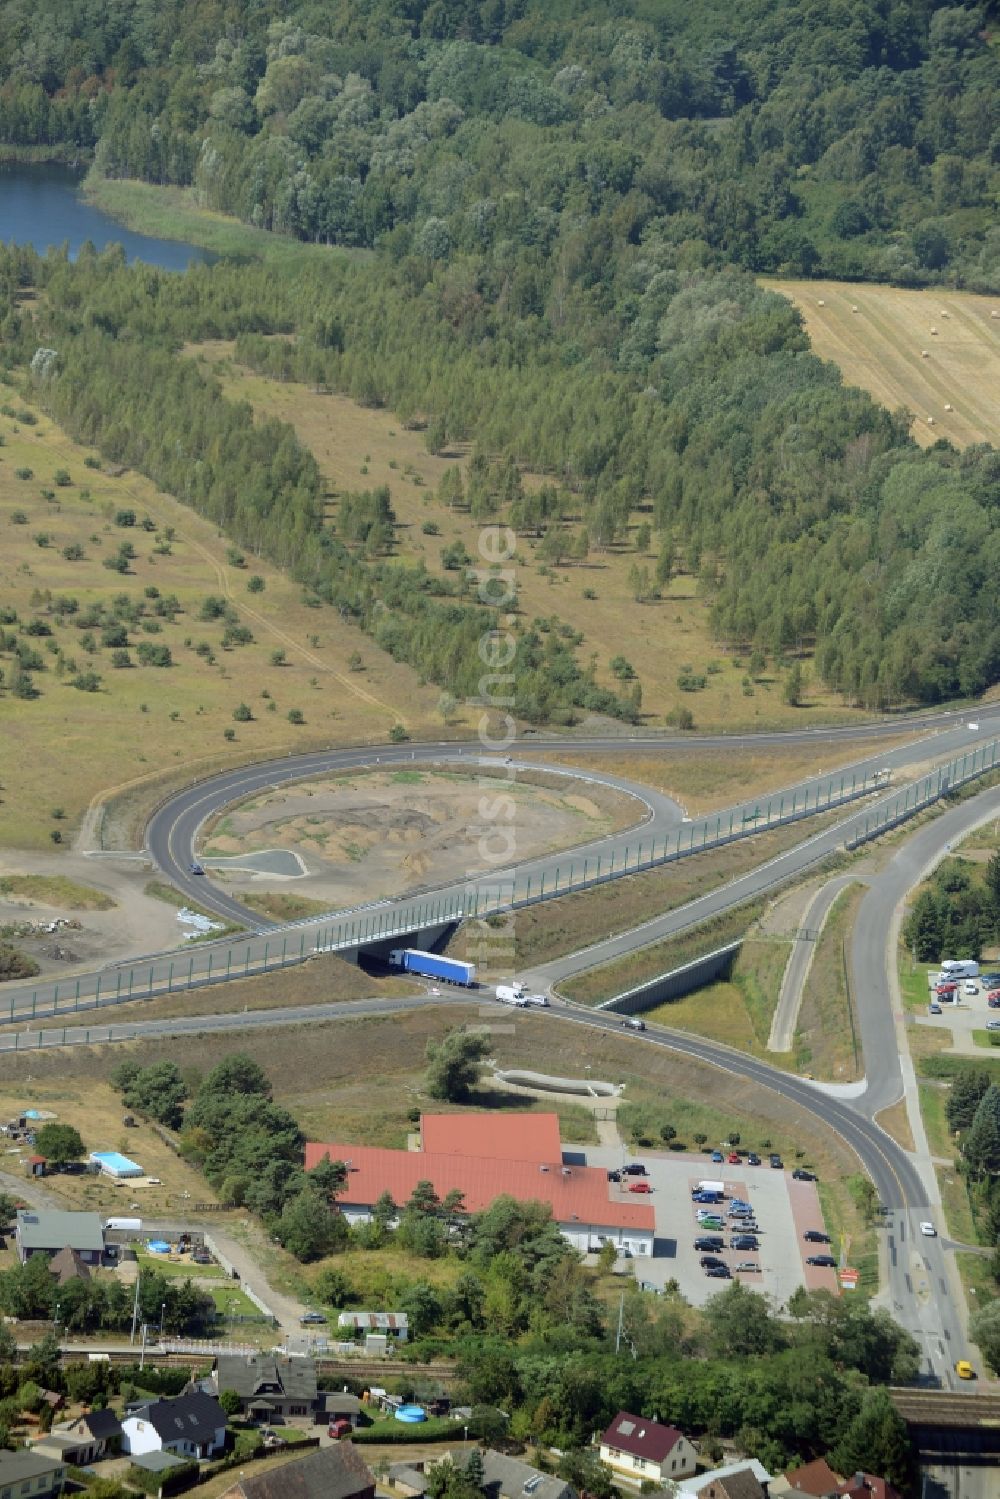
column 826, row 1041
column 708, row 780
column 171, row 896
column 173, row 213
column 878, row 336
column 553, row 929
column 737, row 1010
column 361, row 448
column 58, row 525
column 283, row 907
column 321, row 980
column 57, row 891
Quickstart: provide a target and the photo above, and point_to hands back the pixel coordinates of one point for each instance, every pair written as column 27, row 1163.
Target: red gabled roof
column 574, row 1193
column 507, row 1137
column 867, row 1486
column 641, row 1438
column 816, row 1478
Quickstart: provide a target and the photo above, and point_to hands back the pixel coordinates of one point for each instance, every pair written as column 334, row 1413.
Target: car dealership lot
column 783, row 1209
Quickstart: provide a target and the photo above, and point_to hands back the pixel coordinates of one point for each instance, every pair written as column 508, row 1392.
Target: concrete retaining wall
column 676, row 983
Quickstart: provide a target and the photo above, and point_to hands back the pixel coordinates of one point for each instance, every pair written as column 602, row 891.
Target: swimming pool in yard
column 113, row 1163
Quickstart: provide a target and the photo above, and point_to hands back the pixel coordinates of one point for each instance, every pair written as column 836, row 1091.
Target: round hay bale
column 948, row 406
column 934, row 332
column 821, row 303
column 925, row 353
column 854, row 309
column 930, row 421
column 994, row 313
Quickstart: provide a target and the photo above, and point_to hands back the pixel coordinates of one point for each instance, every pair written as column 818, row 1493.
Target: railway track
column 362, row 1370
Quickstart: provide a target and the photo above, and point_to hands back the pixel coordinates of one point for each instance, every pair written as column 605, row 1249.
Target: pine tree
column 965, row 1097
column 923, row 929
column 876, row 1441
column 981, row 1146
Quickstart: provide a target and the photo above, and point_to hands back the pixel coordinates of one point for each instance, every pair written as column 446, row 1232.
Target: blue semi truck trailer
column 431, row 965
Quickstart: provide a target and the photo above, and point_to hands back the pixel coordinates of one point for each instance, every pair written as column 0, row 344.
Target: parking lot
column 784, row 1210
column 966, row 1010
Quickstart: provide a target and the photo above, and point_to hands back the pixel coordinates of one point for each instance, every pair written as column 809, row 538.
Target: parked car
column 964, row 1369
column 935, row 1009
column 821, row 1259
column 776, row 1163
column 718, row 1272
column 993, row 1000
column 749, row 1267
column 312, row 1319
column 714, row 1225
column 733, row 1158
column 706, row 1196
column 800, row 1175
column 816, row 1236
column 946, row 991
column 635, row 1168
column 744, row 1241
column 710, row 1259
column 717, row 1156
column 640, row 1187
column 753, row 1159
column 709, row 1218
column 614, row 1176
column 971, row 988
column 710, row 1242
column 993, row 1025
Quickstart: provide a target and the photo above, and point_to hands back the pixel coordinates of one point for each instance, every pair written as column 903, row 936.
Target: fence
column 924, row 793
column 251, row 956
column 233, row 1274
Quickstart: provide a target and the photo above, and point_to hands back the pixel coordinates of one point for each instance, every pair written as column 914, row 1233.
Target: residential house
column 866, row 1486
column 30, row 1472
column 818, row 1480
column 48, row 1230
column 270, row 1388
column 99, row 1433
column 192, row 1425
column 643, row 1449
column 748, row 1479
column 408, row 1479
column 509, row 1478
column 337, row 1472
column 69, row 1264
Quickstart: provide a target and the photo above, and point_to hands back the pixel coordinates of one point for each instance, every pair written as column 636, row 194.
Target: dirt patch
column 373, row 835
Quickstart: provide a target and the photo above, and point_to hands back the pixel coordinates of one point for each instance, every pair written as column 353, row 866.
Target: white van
column 960, row 968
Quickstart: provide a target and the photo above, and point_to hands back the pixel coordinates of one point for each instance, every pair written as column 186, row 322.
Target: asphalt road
column 786, row 1013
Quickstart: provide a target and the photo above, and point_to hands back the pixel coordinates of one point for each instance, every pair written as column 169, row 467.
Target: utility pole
column 621, row 1322
column 135, row 1307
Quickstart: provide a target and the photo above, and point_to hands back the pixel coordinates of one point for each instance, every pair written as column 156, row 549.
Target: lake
column 42, row 206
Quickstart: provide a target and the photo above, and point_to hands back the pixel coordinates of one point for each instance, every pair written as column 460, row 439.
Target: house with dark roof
column 68, row 1265
column 641, row 1449
column 337, row 1472
column 30, row 1472
column 98, row 1432
column 508, row 1478
column 48, row 1230
column 192, row 1425
column 270, row 1388
column 866, row 1486
column 737, row 1482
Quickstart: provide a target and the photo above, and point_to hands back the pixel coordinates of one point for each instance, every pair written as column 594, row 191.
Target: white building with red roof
column 484, row 1157
column 641, row 1449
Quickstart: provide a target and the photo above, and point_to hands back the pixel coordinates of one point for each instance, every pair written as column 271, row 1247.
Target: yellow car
column 964, row 1369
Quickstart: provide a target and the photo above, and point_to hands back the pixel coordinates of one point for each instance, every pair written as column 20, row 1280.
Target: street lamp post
column 163, row 1308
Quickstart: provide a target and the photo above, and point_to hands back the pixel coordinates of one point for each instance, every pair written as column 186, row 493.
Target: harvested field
column 881, row 347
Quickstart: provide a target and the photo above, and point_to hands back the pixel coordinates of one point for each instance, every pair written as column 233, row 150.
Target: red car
column 639, row 1187
column 733, row 1158
column 946, row 989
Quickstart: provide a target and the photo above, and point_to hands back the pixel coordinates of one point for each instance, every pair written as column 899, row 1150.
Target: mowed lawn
column 359, row 448
column 64, row 747
column 881, row 346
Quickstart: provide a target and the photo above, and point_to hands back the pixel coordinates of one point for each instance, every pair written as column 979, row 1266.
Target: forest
column 561, row 209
